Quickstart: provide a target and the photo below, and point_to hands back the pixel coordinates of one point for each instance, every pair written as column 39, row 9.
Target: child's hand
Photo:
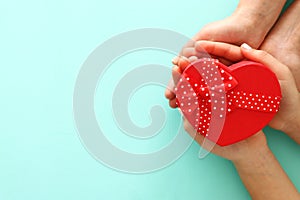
column 288, row 117
column 243, row 151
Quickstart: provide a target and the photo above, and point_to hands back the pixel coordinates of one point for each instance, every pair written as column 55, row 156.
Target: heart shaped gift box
column 227, row 104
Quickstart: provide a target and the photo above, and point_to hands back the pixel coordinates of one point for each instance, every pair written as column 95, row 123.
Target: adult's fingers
column 220, row 49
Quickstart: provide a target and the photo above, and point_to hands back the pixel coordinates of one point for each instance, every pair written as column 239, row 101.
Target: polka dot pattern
column 251, row 101
column 212, row 92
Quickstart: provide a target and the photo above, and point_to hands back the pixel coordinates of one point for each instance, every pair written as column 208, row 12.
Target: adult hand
column 250, row 23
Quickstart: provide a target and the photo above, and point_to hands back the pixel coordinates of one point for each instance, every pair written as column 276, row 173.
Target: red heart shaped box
column 239, row 124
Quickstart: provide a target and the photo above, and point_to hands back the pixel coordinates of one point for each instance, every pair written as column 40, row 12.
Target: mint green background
column 42, row 46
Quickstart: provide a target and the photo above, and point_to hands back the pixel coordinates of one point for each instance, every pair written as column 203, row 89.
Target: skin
column 288, row 117
column 253, row 22
column 259, row 170
column 250, row 23
column 236, row 29
column 283, row 42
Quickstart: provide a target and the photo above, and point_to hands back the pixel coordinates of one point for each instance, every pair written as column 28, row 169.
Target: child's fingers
column 193, row 58
column 188, row 52
column 225, row 61
column 183, row 63
column 190, row 43
column 220, row 49
column 282, row 72
column 175, row 60
column 169, row 94
column 172, row 103
column 176, row 74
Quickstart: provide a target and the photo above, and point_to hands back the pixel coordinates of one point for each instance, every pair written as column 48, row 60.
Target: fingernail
column 246, row 46
column 175, row 60
column 184, row 58
column 193, row 58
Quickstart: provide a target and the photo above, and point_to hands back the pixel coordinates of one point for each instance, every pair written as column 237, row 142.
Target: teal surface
column 287, row 4
column 42, row 47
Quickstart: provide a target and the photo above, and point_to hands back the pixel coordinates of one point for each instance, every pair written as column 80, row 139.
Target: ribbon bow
column 212, row 82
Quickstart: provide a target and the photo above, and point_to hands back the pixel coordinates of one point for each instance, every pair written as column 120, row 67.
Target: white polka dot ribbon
column 197, row 89
column 250, row 101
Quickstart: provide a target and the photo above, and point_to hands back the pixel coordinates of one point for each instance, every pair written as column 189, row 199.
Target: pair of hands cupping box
column 227, row 104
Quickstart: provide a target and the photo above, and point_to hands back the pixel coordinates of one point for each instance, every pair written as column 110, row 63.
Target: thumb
column 280, row 70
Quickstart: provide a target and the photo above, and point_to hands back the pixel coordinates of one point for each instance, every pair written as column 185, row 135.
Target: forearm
column 262, row 13
column 292, row 128
column 264, row 178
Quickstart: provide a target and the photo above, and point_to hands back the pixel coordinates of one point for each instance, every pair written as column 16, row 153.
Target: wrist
column 254, row 18
column 253, row 25
column 258, row 16
column 262, row 11
column 292, row 126
column 247, row 150
column 254, row 160
column 264, row 178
